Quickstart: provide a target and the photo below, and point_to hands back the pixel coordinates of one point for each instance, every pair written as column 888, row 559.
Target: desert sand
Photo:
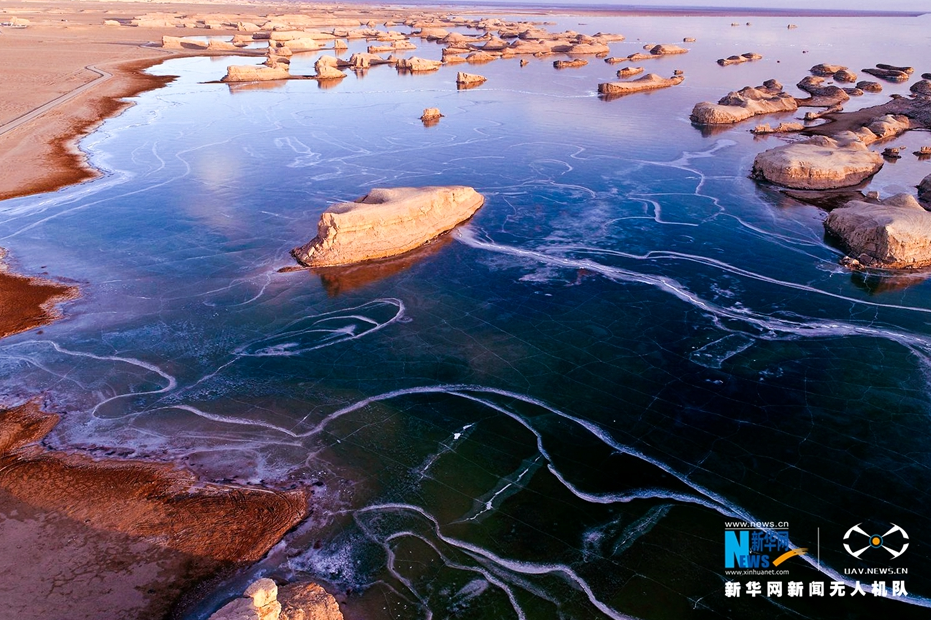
column 128, row 538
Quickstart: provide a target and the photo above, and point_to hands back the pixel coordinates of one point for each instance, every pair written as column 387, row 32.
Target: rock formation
column 650, row 81
column 884, row 127
column 326, row 68
column 481, row 57
column 780, row 128
column 419, row 65
column 364, row 60
column 870, row 87
column 821, row 96
column 256, row 73
column 304, row 44
column 587, row 49
column 307, row 601
column 183, row 43
column 743, row 104
column 263, row 600
column 667, row 50
column 846, row 76
column 890, row 75
column 827, row 70
column 818, row 163
column 386, row 222
column 905, row 70
column 568, row 64
column 468, row 80
column 895, row 234
column 736, row 60
column 431, row 116
column 222, row 46
column 627, row 72
column 921, row 88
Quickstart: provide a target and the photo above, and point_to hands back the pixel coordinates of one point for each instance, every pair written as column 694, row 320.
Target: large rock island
column 818, row 163
column 744, row 103
column 895, row 234
column 386, row 222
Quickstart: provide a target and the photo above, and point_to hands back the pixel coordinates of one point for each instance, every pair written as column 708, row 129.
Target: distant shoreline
column 635, row 10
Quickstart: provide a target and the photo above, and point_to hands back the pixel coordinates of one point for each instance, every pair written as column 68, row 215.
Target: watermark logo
column 858, row 542
column 757, row 546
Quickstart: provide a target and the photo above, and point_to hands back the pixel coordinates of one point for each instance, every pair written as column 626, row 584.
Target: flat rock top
column 401, row 201
column 894, row 235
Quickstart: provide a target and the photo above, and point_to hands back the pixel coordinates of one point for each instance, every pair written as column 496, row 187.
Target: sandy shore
column 118, row 538
column 58, row 53
column 49, row 60
column 27, row 303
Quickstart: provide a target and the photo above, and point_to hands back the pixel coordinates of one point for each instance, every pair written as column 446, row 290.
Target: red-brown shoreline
column 130, row 539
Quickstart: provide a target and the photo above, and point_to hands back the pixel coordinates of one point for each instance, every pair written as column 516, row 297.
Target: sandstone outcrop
column 884, row 127
column 326, row 68
column 431, row 115
column 921, row 88
column 481, row 57
column 307, row 601
column 736, row 60
column 222, row 46
column 568, row 64
column 846, row 76
column 432, row 34
column 587, row 49
column 821, row 96
column 825, row 70
column 818, row 163
column 650, row 81
column 743, row 104
column 906, row 70
column 468, row 80
column 895, row 234
column 386, row 222
column 264, row 600
column 256, row 73
column 303, row 44
column 890, row 75
column 667, row 50
column 169, row 42
column 363, row 60
column 419, row 65
column 627, row 72
column 780, row 128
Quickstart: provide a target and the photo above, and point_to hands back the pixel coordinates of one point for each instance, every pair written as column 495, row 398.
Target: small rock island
column 386, row 222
